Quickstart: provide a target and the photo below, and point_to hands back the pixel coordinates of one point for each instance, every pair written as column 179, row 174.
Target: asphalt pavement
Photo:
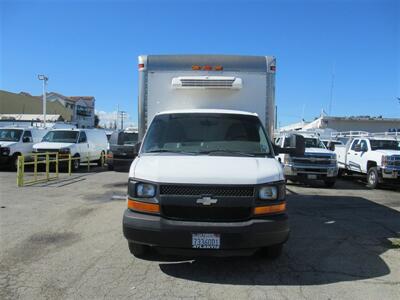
column 63, row 240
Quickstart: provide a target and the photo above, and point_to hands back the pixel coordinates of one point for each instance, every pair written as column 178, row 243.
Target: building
column 82, row 108
column 26, row 104
column 360, row 123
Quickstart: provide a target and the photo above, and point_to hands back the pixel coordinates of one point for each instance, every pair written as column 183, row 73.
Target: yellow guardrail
column 47, row 158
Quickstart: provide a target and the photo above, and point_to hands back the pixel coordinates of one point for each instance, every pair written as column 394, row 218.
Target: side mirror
column 26, row 139
column 297, row 146
column 331, row 146
column 357, row 148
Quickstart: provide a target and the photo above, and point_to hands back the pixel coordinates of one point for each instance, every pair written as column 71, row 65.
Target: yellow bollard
column 69, row 164
column 47, row 167
column 20, row 171
column 56, row 165
column 35, row 166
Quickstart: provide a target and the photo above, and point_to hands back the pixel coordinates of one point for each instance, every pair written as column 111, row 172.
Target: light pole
column 44, row 78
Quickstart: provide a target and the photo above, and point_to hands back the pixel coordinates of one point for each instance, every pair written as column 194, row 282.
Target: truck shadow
column 333, row 239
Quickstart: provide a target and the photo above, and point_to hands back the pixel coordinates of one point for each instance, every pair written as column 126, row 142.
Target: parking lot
column 63, row 240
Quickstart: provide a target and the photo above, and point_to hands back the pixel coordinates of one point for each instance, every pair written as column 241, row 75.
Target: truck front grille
column 210, row 214
column 314, row 160
column 217, row 191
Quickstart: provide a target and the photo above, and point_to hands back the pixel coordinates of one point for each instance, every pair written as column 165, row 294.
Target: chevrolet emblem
column 206, row 200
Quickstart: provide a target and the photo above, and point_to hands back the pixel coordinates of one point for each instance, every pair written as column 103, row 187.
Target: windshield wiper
column 169, row 151
column 226, row 151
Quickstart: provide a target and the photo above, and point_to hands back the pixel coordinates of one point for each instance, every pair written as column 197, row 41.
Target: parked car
column 15, row 141
column 122, row 149
column 376, row 156
column 87, row 145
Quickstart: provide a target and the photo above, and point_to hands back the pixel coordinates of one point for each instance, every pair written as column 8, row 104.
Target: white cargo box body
column 173, row 82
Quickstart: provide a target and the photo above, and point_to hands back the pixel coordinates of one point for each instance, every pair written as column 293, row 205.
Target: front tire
column 138, row 250
column 76, row 163
column 372, row 178
column 14, row 162
column 100, row 161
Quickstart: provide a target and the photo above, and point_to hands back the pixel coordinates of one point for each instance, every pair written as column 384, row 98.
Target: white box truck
column 206, row 181
column 173, row 82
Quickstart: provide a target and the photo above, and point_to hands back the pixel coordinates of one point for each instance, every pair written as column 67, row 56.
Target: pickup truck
column 318, row 162
column 376, row 157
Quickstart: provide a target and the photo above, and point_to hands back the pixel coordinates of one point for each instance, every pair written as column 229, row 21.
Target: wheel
column 110, row 167
column 138, row 250
column 340, row 173
column 272, row 252
column 75, row 163
column 100, row 161
column 329, row 183
column 372, row 178
column 14, row 162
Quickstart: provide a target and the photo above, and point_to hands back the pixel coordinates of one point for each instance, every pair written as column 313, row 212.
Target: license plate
column 311, row 176
column 205, row 241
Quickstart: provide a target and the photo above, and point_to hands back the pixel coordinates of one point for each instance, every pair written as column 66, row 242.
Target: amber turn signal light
column 270, row 209
column 143, row 206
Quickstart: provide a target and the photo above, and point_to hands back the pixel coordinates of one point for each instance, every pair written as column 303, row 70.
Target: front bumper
column 122, row 164
column 175, row 237
column 319, row 171
column 390, row 172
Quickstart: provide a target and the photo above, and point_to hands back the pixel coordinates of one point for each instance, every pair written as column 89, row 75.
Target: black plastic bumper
column 175, row 237
column 120, row 164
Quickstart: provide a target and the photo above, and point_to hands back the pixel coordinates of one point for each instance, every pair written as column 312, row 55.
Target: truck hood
column 165, row 168
column 7, row 144
column 318, row 151
column 388, row 152
column 47, row 145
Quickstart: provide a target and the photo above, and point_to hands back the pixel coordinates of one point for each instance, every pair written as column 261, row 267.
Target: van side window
column 355, row 142
column 27, row 137
column 82, row 137
column 27, row 133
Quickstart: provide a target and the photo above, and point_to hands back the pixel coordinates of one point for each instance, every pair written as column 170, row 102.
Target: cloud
column 107, row 119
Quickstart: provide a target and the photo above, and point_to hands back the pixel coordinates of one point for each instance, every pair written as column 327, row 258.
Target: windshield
column 384, row 145
column 314, row 143
column 225, row 134
column 128, row 138
column 61, row 136
column 12, row 135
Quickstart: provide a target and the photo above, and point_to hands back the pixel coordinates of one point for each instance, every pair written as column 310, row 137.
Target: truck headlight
column 5, row 151
column 287, row 159
column 141, row 190
column 268, row 193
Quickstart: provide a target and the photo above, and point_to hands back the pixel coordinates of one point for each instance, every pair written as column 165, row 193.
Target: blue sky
column 91, row 48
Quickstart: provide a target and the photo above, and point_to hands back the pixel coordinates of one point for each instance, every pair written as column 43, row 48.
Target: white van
column 87, row 144
column 16, row 141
